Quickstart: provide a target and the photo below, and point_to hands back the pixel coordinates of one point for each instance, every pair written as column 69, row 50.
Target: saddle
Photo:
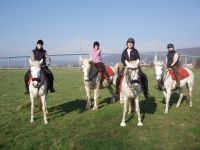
column 182, row 73
column 108, row 70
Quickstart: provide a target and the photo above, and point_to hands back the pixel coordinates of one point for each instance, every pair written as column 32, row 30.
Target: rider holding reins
column 37, row 54
column 132, row 54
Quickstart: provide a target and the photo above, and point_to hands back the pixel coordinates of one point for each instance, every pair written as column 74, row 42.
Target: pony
column 38, row 88
column 164, row 76
column 130, row 89
column 94, row 82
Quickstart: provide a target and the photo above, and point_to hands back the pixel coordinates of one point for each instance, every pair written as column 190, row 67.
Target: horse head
column 86, row 65
column 132, row 73
column 159, row 66
column 35, row 71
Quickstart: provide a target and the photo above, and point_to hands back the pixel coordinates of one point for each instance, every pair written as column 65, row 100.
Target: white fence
column 69, row 60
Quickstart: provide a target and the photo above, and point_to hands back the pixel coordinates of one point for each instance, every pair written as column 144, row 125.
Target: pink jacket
column 95, row 55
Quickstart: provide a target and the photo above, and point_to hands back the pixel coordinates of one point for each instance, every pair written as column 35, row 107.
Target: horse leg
column 43, row 98
column 190, row 94
column 46, row 105
column 32, row 108
column 112, row 93
column 168, row 95
column 180, row 97
column 88, row 105
column 96, row 95
column 123, row 123
column 129, row 106
column 138, row 112
column 121, row 98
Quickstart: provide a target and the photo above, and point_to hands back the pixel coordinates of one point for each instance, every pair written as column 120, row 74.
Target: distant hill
column 195, row 51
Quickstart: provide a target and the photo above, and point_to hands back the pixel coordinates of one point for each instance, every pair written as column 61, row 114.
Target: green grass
column 72, row 127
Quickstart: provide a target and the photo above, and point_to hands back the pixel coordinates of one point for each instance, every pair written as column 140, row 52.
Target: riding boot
column 26, row 80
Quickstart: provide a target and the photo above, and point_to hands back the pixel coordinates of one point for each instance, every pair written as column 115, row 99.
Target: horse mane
column 118, row 68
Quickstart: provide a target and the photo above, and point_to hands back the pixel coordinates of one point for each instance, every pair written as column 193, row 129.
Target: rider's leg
column 144, row 82
column 51, row 79
column 175, row 68
column 26, row 79
column 117, row 87
column 103, row 69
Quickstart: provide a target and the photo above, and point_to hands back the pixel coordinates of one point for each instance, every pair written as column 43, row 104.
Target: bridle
column 130, row 82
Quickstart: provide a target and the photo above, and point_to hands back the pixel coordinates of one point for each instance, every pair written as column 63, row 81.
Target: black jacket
column 40, row 54
column 170, row 58
column 134, row 55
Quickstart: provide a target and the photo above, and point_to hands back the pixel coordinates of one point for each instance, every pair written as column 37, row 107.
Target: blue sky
column 61, row 23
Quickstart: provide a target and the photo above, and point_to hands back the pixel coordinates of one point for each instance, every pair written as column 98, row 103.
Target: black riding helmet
column 96, row 43
column 170, row 46
column 40, row 42
column 131, row 40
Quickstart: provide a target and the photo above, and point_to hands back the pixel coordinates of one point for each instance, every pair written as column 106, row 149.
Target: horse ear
column 80, row 60
column 127, row 63
column 137, row 62
column 30, row 62
column 41, row 61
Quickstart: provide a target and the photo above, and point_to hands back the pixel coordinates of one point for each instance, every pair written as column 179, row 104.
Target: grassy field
column 72, row 127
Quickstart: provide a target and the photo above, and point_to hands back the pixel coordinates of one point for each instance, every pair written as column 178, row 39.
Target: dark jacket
column 134, row 55
column 170, row 58
column 39, row 54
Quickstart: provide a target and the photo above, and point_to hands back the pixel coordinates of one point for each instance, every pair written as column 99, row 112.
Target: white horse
column 169, row 85
column 38, row 88
column 131, row 88
column 92, row 81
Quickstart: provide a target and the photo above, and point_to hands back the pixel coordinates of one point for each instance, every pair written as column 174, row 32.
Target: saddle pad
column 182, row 73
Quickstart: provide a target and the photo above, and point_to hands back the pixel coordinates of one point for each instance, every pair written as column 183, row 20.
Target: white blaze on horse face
column 35, row 71
column 158, row 71
column 86, row 69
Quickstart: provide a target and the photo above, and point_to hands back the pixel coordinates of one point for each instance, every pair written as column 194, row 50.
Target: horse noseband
column 135, row 81
column 36, row 79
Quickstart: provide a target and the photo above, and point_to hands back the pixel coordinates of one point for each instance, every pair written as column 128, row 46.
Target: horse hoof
column 94, row 108
column 166, row 112
column 45, row 122
column 31, row 121
column 122, row 124
column 190, row 105
column 177, row 106
column 129, row 112
column 140, row 124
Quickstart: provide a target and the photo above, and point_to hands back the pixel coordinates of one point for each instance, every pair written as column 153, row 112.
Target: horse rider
column 96, row 57
column 37, row 54
column 172, row 62
column 132, row 54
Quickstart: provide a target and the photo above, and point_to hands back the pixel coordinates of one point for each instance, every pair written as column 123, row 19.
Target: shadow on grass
column 174, row 99
column 147, row 106
column 68, row 107
column 105, row 102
